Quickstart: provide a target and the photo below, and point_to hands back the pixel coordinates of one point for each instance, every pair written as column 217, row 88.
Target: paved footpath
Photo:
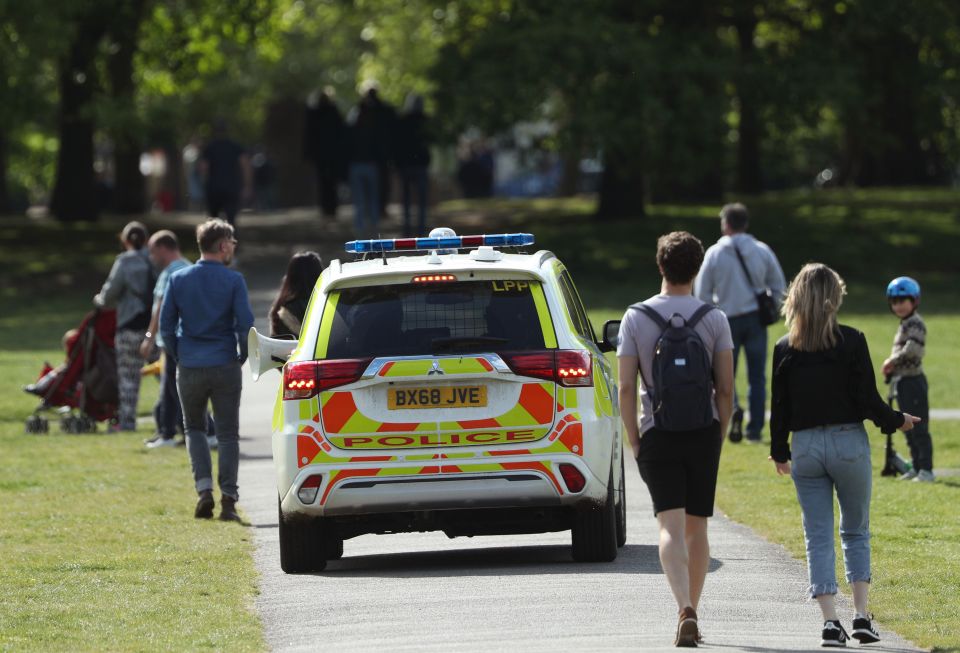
column 425, row 592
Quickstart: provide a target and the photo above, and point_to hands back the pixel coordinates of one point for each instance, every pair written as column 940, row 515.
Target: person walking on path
column 128, row 289
column 823, row 389
column 165, row 254
column 679, row 466
column 323, row 145
column 368, row 158
column 735, row 270
column 225, row 167
column 904, row 372
column 413, row 159
column 290, row 305
column 204, row 321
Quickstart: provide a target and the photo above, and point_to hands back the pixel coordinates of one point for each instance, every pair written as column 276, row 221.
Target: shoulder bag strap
column 744, row 267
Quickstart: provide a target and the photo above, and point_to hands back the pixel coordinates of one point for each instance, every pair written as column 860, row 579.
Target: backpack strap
column 663, row 323
column 652, row 314
column 698, row 314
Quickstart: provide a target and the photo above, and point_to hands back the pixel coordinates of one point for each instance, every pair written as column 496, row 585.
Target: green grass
column 915, row 533
column 100, row 548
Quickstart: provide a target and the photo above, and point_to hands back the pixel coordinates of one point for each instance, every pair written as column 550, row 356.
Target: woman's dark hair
column 302, row 273
column 679, row 255
column 135, row 234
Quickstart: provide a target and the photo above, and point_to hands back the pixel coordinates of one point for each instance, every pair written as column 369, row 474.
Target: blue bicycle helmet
column 903, row 287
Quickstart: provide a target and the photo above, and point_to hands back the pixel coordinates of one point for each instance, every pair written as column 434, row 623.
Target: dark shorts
column 680, row 468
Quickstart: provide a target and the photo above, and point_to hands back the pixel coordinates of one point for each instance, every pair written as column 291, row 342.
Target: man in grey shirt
column 723, row 281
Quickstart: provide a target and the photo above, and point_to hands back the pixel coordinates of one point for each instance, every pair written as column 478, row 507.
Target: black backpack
column 682, row 390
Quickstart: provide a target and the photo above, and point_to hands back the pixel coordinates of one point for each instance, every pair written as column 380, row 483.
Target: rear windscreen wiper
column 446, row 344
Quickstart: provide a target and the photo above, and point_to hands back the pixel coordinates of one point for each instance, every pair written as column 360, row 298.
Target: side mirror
column 267, row 353
column 611, row 336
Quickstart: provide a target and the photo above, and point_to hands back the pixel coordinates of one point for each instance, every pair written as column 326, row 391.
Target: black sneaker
column 736, row 425
column 833, row 634
column 863, row 630
column 204, row 509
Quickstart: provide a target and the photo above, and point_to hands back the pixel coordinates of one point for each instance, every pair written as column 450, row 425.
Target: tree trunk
column 748, row 144
column 621, row 188
column 129, row 195
column 4, row 188
column 74, row 192
column 282, row 142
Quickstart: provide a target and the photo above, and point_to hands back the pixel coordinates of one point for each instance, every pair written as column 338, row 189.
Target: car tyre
column 622, row 505
column 594, row 532
column 302, row 546
column 333, row 547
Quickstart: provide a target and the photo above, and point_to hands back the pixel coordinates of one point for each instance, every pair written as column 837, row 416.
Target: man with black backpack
column 682, row 351
column 742, row 276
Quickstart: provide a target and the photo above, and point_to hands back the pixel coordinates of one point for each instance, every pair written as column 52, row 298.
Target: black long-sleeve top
column 835, row 386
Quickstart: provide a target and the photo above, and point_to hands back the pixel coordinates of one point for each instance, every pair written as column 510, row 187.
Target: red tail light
column 568, row 367
column 309, row 489
column 572, row 477
column 305, row 379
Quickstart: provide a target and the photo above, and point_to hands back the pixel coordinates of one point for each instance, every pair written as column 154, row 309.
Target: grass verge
column 100, row 548
column 915, row 533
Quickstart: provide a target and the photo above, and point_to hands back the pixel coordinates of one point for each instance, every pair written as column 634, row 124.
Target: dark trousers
column 220, row 385
column 912, row 398
column 751, row 336
column 327, row 181
column 167, row 412
column 414, row 182
column 227, row 203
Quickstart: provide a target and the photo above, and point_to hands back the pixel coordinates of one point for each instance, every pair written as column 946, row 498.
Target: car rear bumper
column 354, row 491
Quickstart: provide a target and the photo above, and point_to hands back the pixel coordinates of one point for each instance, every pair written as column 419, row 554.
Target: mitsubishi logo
column 435, row 369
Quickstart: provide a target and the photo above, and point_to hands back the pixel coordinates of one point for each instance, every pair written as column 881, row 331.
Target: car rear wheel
column 303, row 546
column 622, row 505
column 594, row 532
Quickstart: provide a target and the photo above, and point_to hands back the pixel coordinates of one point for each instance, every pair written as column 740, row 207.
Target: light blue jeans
column 827, row 458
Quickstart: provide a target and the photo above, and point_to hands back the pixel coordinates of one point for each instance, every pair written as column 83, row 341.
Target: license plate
column 461, row 396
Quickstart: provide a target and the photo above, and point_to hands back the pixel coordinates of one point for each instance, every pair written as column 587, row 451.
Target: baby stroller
column 83, row 390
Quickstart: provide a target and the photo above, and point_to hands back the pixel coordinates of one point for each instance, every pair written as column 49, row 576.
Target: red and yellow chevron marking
column 348, row 428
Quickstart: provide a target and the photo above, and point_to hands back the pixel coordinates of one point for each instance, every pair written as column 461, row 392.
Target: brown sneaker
column 228, row 509
column 687, row 632
column 204, row 509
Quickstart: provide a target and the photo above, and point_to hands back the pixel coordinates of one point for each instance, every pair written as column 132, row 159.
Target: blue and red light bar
column 446, row 242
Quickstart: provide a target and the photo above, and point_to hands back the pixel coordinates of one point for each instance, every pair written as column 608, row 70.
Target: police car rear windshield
column 442, row 318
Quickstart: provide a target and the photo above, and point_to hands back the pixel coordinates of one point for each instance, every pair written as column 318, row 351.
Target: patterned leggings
column 128, row 375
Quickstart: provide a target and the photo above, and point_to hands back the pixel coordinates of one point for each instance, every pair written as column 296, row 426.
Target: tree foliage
column 681, row 100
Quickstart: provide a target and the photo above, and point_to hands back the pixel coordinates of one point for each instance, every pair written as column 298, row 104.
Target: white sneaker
column 909, row 476
column 162, row 442
column 212, row 441
column 925, row 476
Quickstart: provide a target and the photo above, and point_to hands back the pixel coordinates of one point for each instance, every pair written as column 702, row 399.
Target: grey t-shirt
column 639, row 335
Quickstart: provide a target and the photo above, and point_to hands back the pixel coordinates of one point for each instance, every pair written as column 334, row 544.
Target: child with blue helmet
column 904, row 369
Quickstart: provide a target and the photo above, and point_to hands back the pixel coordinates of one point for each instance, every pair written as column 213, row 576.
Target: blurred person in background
column 413, row 160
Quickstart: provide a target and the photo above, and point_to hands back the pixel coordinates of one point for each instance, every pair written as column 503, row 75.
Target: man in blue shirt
column 204, row 322
column 165, row 256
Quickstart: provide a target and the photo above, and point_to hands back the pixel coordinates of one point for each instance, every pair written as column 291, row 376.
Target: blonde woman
column 823, row 389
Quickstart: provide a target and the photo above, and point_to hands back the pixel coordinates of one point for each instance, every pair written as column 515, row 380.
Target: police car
column 447, row 383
